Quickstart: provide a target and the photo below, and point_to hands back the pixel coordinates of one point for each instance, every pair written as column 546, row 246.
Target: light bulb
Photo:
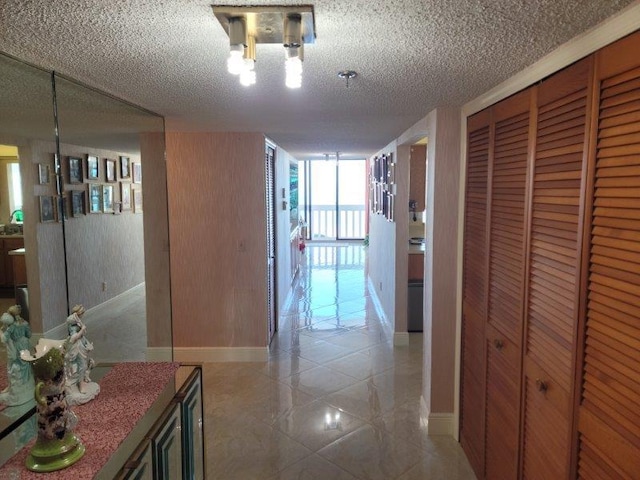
column 293, row 65
column 247, row 78
column 235, row 62
column 293, row 80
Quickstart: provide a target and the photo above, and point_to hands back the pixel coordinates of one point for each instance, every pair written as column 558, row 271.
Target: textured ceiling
column 411, row 56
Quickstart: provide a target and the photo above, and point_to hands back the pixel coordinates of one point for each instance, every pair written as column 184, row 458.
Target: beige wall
column 283, row 228
column 441, row 255
column 156, row 240
column 403, row 166
column 442, row 126
column 382, row 256
column 217, row 234
column 418, row 175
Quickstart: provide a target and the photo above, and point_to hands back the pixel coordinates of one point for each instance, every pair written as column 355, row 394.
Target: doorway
column 13, row 281
column 332, row 199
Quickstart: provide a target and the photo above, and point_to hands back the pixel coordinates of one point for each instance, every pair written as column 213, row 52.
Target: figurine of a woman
column 15, row 334
column 78, row 363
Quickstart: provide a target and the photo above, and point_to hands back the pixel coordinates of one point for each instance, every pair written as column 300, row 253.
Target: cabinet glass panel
column 192, row 434
column 167, row 446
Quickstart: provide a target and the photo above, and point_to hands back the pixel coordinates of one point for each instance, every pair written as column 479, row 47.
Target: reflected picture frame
column 125, row 196
column 110, row 170
column 136, row 172
column 125, row 167
column 107, row 199
column 95, row 198
column 78, row 203
column 75, row 170
column 44, row 174
column 47, row 208
column 137, row 200
column 93, row 168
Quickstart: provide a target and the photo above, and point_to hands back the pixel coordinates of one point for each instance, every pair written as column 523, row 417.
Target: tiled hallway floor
column 335, row 400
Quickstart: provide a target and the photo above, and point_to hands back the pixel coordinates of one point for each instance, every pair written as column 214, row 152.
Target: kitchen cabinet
column 6, row 262
column 416, row 266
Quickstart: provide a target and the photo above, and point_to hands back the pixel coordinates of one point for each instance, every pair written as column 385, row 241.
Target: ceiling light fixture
column 347, row 75
column 291, row 26
column 242, row 52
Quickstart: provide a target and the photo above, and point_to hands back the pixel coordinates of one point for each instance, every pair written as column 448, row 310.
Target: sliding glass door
column 333, row 202
column 351, row 198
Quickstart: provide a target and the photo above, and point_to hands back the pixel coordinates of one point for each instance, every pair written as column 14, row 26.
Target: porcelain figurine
column 78, row 363
column 16, row 333
column 56, row 446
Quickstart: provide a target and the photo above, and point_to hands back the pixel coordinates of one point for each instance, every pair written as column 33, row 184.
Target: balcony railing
column 322, row 223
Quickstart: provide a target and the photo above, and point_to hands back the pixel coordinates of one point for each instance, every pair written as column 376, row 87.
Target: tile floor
column 335, row 400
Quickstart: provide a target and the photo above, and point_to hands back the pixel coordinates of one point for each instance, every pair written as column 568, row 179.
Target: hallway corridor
column 335, row 401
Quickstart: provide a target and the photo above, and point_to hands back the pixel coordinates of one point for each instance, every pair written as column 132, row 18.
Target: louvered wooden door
column 474, row 292
column 609, row 422
column 554, row 267
column 509, row 163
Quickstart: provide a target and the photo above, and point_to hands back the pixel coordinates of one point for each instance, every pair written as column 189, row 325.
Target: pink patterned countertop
column 127, row 392
column 4, row 383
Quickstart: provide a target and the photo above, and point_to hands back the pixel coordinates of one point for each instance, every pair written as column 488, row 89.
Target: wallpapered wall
column 217, row 229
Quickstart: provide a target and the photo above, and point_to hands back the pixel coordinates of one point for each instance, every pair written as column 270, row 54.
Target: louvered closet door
column 609, row 424
column 474, row 292
column 554, row 260
column 506, row 282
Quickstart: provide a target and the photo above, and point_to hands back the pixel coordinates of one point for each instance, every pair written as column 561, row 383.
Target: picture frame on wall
column 125, row 167
column 47, row 208
column 95, row 198
column 75, row 170
column 78, row 200
column 107, row 198
column 110, row 170
column 93, row 169
column 137, row 201
column 136, row 172
column 125, row 196
column 44, row 174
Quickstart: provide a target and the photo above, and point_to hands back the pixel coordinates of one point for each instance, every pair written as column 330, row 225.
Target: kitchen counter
column 2, row 235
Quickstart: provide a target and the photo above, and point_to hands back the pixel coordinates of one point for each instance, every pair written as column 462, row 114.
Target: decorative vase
column 56, row 447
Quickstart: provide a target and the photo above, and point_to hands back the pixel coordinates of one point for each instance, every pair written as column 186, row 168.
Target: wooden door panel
column 609, row 413
column 509, row 174
column 554, row 268
column 546, row 431
column 474, row 292
column 503, row 406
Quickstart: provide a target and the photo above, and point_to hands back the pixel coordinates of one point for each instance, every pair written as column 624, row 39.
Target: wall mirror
column 94, row 231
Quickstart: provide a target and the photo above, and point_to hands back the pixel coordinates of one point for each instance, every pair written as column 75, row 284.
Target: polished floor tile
column 335, row 400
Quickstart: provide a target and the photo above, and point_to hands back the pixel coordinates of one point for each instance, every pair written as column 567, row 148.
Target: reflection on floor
column 118, row 328
column 335, row 400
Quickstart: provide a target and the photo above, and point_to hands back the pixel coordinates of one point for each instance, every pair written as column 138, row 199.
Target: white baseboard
column 159, row 354
column 440, row 424
column 400, row 339
column 437, row 423
column 220, row 354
